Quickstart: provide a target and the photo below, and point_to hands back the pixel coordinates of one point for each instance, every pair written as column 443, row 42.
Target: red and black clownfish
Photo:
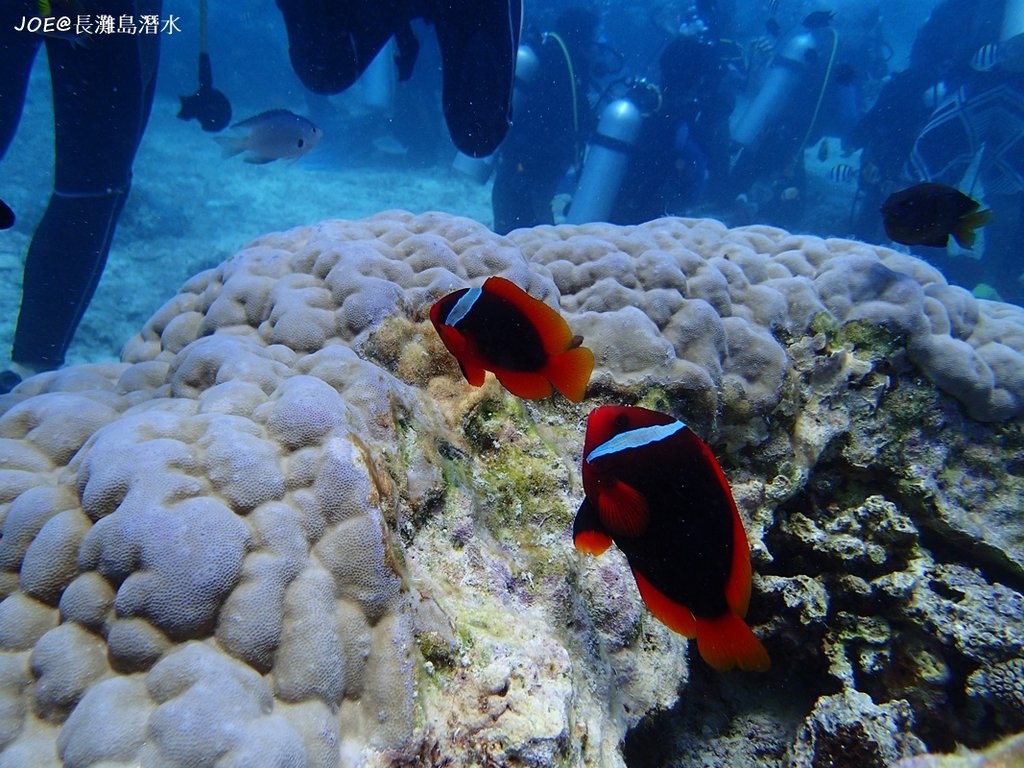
column 655, row 489
column 500, row 328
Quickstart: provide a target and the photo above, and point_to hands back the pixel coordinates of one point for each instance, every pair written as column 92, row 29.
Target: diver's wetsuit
column 102, row 94
column 331, row 42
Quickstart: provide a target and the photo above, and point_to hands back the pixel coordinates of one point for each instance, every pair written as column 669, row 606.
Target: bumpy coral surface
column 285, row 531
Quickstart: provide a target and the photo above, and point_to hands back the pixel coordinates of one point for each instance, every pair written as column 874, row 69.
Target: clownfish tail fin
column 726, row 641
column 569, row 372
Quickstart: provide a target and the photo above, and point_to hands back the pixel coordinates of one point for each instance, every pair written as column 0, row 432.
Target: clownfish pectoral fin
column 530, row 386
column 673, row 615
column 570, row 372
column 622, row 509
column 726, row 642
column 587, row 534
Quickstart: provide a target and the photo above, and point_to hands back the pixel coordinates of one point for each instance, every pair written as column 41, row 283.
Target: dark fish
column 818, row 19
column 273, row 135
column 655, row 489
column 928, row 213
column 841, row 173
column 772, row 27
column 526, row 344
column 823, row 150
column 6, row 216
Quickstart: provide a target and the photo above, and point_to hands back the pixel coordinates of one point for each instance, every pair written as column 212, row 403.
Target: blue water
column 189, row 208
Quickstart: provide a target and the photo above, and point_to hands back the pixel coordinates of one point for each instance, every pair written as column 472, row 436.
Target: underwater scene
column 512, row 383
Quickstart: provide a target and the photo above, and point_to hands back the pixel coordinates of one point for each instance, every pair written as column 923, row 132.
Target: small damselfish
column 655, row 489
column 527, row 345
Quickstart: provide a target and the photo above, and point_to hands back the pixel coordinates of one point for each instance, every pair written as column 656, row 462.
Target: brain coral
column 270, row 537
column 684, row 300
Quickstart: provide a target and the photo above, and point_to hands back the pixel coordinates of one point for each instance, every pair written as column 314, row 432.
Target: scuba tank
column 788, row 68
column 1013, row 19
column 527, row 66
column 606, row 162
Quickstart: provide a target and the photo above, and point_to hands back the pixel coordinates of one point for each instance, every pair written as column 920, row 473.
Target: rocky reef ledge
column 284, row 531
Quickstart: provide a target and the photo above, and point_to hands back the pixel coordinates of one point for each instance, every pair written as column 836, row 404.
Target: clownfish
column 655, row 489
column 527, row 345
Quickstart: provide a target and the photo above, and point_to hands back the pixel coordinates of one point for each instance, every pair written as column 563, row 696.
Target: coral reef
column 1007, row 753
column 849, row 729
column 284, row 530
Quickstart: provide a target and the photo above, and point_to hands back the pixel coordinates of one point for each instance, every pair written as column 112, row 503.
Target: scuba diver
column 657, row 150
column 956, row 116
column 331, row 44
column 552, row 112
column 679, row 150
column 102, row 94
column 773, row 127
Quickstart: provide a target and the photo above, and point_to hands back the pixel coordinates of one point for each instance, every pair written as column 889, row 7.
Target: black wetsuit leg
column 102, row 94
column 479, row 40
column 17, row 52
column 331, row 42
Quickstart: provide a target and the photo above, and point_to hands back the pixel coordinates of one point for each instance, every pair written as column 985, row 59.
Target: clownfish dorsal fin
column 737, row 589
column 622, row 509
column 553, row 330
